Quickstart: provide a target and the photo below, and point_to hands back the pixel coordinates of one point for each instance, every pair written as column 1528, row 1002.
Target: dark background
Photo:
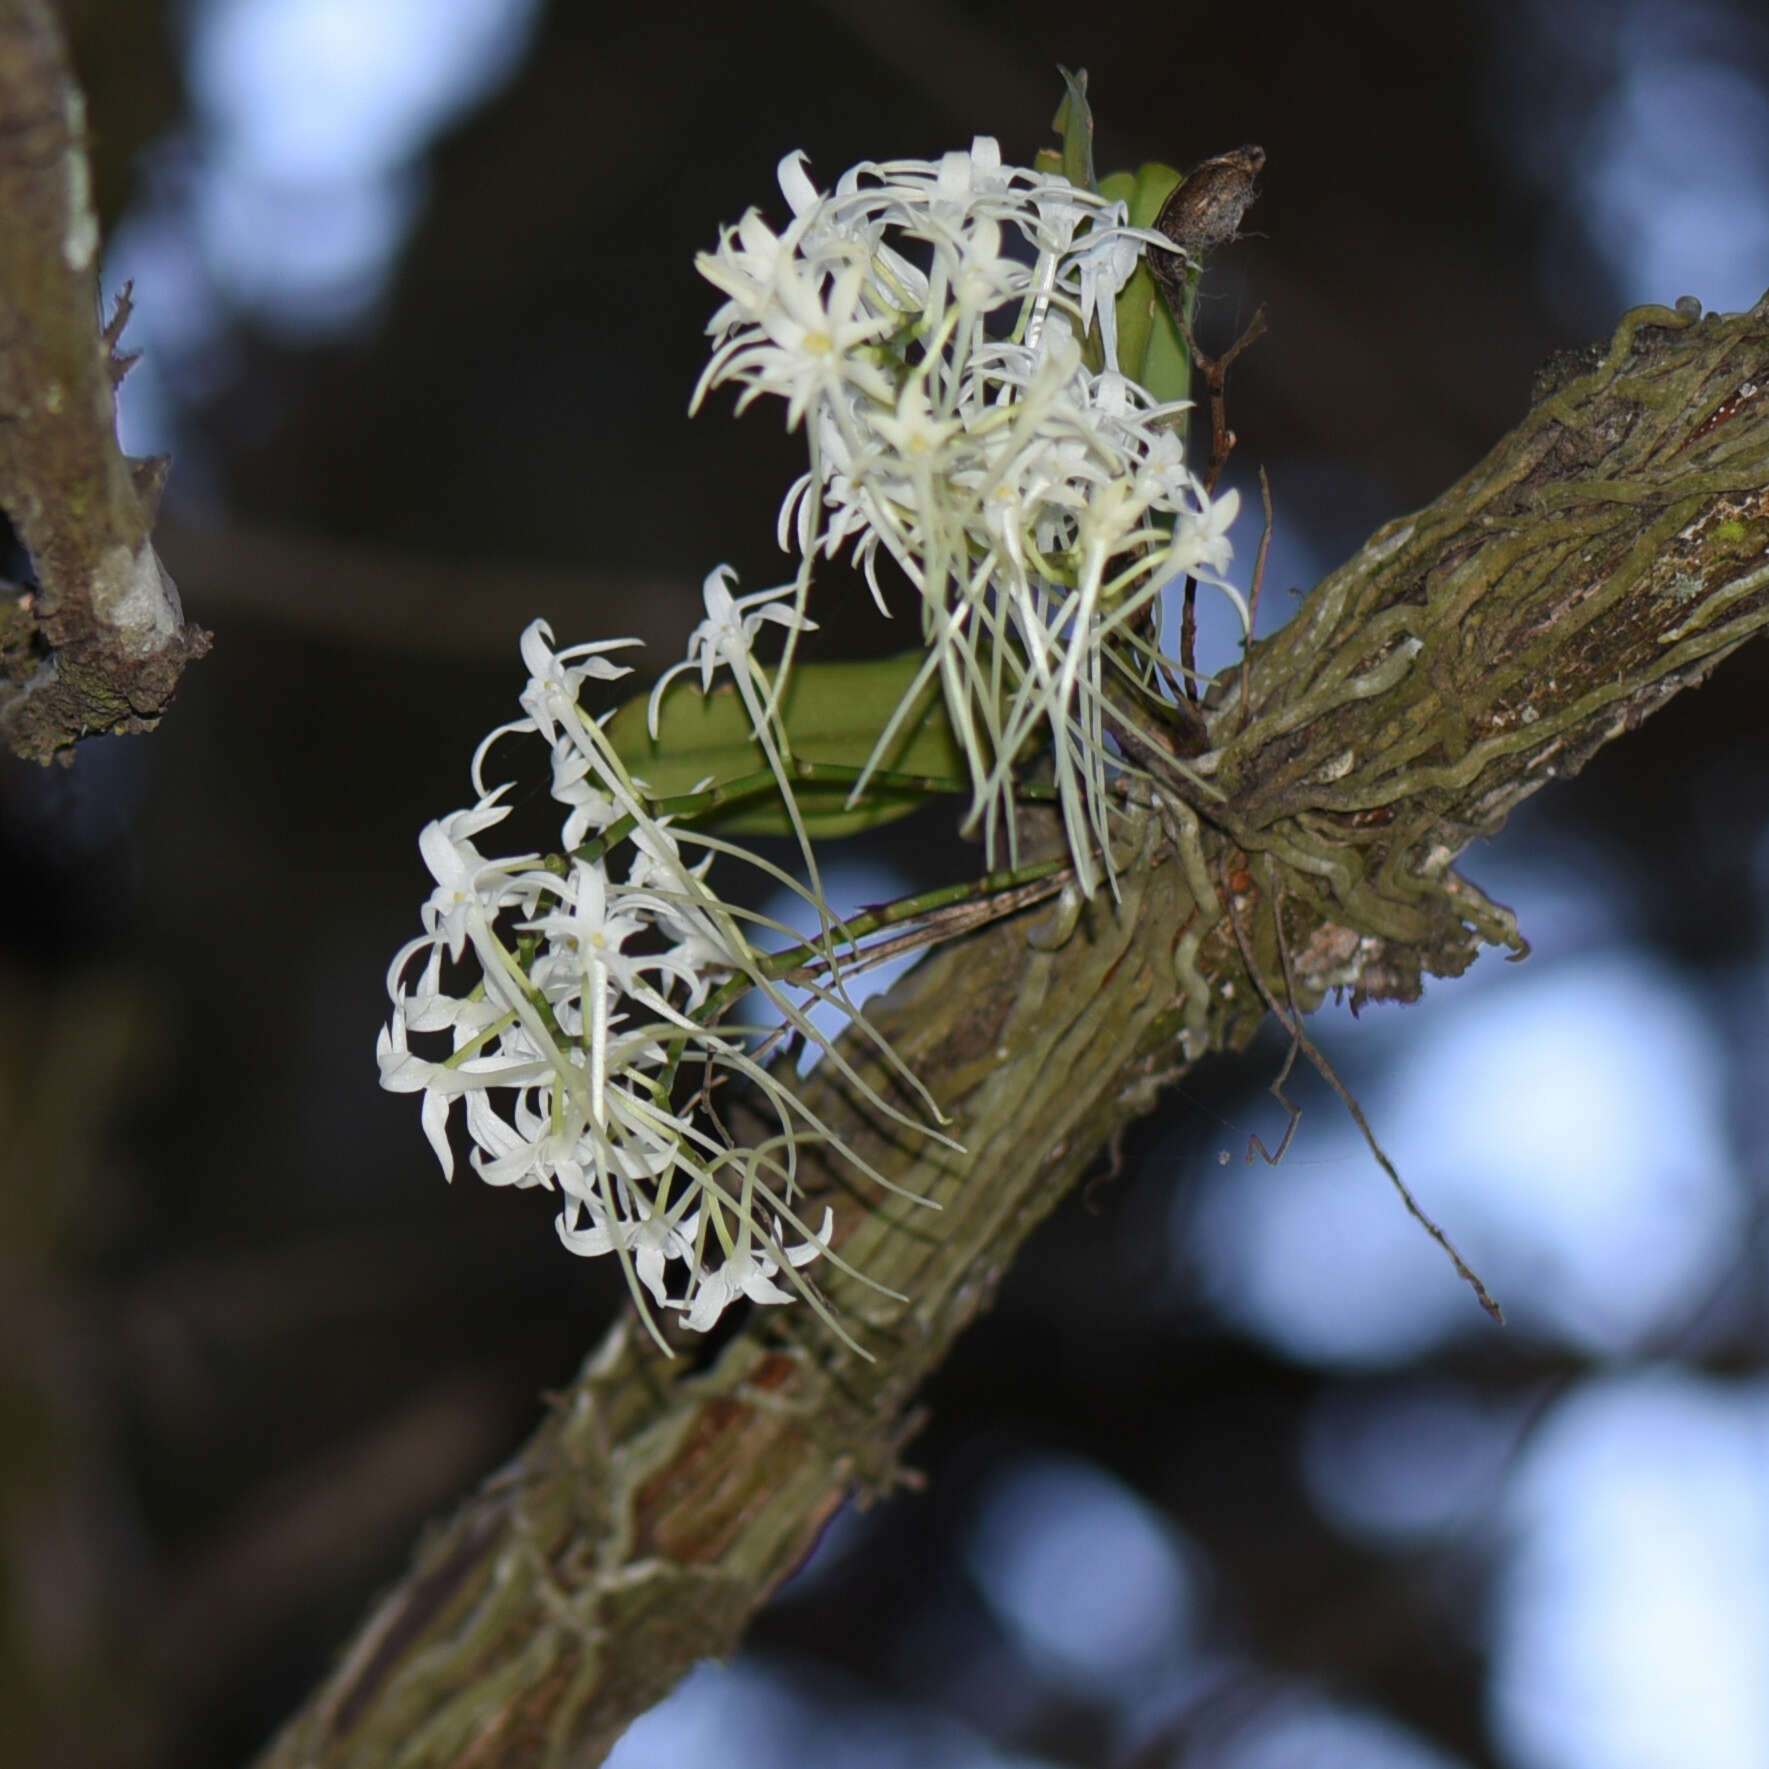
column 255, row 1341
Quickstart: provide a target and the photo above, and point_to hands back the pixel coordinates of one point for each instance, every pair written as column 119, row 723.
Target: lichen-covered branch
column 1605, row 555
column 94, row 640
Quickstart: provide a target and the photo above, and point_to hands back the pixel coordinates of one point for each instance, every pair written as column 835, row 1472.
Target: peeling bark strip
column 1605, row 555
column 96, row 642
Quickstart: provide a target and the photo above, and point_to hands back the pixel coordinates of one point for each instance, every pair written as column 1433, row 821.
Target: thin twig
column 1253, row 596
column 1188, row 638
column 1215, row 371
column 1222, row 443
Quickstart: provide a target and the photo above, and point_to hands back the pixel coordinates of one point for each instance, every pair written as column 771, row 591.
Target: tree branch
column 1604, row 556
column 376, row 599
column 94, row 640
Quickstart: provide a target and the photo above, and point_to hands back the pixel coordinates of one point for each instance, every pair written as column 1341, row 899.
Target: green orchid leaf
column 833, row 712
column 1166, row 364
column 1150, row 186
column 1074, row 123
column 1150, row 348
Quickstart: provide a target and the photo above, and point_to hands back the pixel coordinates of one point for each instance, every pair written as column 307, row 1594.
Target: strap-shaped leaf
column 1074, row 123
column 833, row 712
column 1150, row 349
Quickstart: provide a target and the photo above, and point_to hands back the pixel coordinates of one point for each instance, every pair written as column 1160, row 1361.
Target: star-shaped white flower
column 749, row 1272
column 462, row 873
column 724, row 638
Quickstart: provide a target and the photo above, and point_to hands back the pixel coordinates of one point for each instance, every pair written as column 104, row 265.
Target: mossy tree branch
column 1604, row 556
column 93, row 640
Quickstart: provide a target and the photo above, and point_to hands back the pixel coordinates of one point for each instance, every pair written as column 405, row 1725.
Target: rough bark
column 1604, row 556
column 94, row 639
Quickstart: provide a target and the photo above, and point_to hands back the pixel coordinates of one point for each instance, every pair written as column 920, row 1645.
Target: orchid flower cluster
column 945, row 335
column 592, row 1002
column 925, row 323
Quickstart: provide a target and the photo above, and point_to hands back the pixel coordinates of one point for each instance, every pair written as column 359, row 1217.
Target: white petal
column 435, row 1120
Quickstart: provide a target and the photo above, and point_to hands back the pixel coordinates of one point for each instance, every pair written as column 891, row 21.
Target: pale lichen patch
column 133, row 595
column 1384, row 546
column 79, row 240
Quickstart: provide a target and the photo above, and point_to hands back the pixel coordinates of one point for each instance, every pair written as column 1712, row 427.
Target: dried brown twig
column 1222, row 444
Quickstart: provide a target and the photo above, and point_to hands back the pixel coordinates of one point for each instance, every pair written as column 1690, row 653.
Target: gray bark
column 96, row 641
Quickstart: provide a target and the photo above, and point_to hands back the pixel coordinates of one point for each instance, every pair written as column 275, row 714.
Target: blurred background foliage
column 1235, row 1475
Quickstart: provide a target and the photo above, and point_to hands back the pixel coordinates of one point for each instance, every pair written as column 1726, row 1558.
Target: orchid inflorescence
column 592, row 1002
column 924, row 324
column 930, row 327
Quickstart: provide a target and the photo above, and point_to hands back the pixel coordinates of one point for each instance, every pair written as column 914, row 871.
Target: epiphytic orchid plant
column 973, row 352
